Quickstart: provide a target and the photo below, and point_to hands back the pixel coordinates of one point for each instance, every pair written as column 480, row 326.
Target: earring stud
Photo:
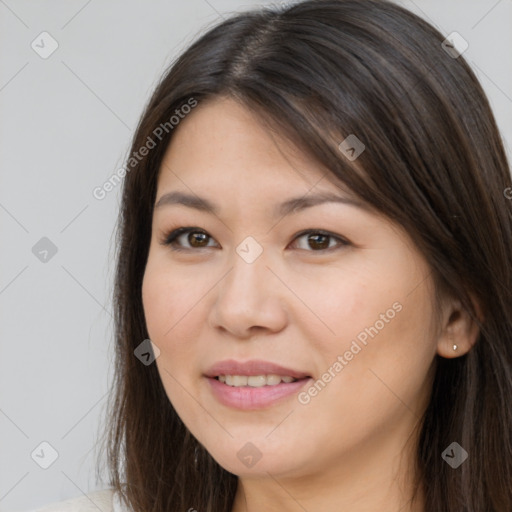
column 454, row 347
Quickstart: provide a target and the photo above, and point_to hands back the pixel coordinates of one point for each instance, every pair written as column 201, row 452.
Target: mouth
column 254, row 384
column 230, row 369
column 255, row 381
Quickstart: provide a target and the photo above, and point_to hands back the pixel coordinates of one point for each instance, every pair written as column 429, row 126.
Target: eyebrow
column 292, row 205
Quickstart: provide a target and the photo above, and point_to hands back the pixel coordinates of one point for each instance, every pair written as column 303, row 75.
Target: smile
column 253, row 397
column 255, row 381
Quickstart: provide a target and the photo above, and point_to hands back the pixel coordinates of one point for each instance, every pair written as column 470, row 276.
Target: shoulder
column 98, row 501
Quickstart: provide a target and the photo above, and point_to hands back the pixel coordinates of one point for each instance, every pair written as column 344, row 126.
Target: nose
column 250, row 299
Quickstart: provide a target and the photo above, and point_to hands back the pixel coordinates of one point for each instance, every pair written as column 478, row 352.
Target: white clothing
column 105, row 501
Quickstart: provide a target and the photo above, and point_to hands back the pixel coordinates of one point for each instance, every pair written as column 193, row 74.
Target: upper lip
column 252, row 367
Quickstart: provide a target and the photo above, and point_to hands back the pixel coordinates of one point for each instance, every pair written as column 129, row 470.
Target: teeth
column 272, row 380
column 254, row 381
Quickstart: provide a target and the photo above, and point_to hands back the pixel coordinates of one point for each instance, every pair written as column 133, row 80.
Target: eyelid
column 170, row 237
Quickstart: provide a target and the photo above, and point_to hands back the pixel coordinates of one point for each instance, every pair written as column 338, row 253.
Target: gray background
column 66, row 125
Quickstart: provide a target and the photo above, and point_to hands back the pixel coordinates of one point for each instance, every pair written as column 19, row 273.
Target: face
column 331, row 293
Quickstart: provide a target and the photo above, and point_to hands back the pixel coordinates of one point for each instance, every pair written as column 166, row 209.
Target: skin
column 299, row 305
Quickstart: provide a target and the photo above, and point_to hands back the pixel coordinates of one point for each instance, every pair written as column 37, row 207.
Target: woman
column 314, row 287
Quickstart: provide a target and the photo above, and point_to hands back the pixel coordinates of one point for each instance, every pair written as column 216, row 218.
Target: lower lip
column 248, row 398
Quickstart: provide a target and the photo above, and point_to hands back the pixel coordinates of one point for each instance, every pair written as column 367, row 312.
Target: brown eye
column 317, row 241
column 183, row 239
column 197, row 239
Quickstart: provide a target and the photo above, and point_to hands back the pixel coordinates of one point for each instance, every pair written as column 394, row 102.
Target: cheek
column 174, row 310
column 168, row 300
column 376, row 317
column 386, row 348
column 342, row 302
column 157, row 301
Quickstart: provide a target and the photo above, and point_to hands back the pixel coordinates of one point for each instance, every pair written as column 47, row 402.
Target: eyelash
column 171, row 237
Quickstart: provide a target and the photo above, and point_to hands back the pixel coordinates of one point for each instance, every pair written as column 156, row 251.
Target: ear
column 459, row 328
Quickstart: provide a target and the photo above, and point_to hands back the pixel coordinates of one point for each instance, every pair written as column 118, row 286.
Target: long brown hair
column 434, row 163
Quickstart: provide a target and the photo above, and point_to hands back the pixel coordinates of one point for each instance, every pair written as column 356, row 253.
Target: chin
column 253, row 459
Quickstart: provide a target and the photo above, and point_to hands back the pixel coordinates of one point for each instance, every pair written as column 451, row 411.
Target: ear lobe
column 461, row 329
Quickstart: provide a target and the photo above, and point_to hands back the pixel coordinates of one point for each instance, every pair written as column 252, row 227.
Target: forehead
column 222, row 145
